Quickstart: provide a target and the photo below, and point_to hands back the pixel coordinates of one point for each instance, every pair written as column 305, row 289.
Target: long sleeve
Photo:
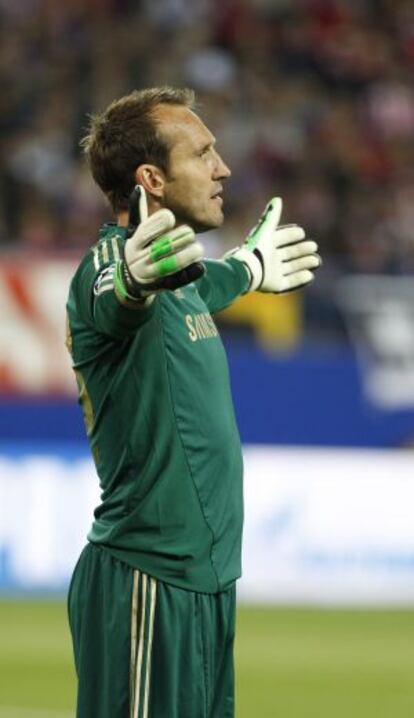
column 223, row 281
column 95, row 299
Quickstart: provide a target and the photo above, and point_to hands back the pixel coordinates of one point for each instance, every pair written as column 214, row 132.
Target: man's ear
column 152, row 180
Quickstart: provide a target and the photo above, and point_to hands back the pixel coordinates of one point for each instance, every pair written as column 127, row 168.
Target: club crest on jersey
column 104, row 281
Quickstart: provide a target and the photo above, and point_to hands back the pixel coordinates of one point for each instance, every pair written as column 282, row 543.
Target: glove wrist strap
column 253, row 264
column 126, row 289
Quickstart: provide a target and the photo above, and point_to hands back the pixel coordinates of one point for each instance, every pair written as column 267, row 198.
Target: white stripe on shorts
column 141, row 645
column 153, row 584
column 134, row 618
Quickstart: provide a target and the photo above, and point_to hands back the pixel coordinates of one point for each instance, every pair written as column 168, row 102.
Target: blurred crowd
column 309, row 99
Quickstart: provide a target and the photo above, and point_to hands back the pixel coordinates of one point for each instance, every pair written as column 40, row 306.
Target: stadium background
column 310, row 99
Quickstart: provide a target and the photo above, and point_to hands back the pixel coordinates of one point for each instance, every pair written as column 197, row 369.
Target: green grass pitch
column 291, row 663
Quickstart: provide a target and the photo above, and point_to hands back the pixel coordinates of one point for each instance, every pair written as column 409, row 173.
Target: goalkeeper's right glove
column 157, row 255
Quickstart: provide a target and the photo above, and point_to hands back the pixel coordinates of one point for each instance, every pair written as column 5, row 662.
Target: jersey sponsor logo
column 104, row 281
column 200, row 326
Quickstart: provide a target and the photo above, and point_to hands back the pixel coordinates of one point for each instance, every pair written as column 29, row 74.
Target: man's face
column 194, row 182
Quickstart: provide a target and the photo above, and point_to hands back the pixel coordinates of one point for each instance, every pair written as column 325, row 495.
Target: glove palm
column 279, row 258
column 158, row 255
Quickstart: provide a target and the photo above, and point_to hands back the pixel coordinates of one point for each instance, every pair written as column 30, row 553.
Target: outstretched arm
column 222, row 282
column 272, row 259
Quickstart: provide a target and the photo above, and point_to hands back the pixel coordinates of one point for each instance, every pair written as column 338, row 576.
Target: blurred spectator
column 312, row 99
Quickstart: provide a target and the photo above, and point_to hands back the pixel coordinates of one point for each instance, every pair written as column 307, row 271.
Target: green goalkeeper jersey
column 154, row 388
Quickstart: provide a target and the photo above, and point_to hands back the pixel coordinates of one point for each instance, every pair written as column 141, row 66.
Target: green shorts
column 145, row 649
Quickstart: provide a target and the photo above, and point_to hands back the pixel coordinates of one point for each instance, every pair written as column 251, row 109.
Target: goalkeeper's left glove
column 278, row 258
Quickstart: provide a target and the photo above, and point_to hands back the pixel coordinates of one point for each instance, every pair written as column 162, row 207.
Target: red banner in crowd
column 33, row 356
column 33, row 294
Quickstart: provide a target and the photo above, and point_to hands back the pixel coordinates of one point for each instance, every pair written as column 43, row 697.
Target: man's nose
column 221, row 170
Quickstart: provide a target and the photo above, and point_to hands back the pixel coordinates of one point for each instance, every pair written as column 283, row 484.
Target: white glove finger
column 266, row 224
column 158, row 223
column 311, row 261
column 169, row 265
column 168, row 244
column 181, row 260
column 271, row 216
column 291, row 234
column 143, row 204
column 300, row 249
column 189, row 255
column 298, row 279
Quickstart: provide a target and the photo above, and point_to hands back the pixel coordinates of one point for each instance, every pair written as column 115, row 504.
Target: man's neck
column 122, row 219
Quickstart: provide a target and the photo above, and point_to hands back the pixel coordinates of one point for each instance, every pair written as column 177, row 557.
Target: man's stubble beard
column 184, row 216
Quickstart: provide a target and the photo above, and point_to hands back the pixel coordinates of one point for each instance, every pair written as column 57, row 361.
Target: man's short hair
column 125, row 136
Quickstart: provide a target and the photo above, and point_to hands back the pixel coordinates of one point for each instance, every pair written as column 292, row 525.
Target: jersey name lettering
column 200, row 326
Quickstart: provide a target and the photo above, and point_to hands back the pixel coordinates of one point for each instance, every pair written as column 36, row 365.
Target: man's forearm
column 222, row 283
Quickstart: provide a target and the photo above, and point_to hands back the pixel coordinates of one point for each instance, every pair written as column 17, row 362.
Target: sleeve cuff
column 122, row 293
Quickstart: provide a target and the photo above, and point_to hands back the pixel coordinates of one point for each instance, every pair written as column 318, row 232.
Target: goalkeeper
column 152, row 598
